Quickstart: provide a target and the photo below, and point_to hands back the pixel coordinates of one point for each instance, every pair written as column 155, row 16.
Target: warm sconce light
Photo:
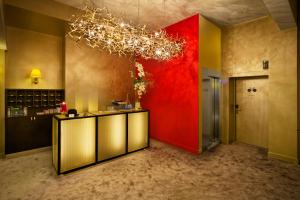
column 35, row 76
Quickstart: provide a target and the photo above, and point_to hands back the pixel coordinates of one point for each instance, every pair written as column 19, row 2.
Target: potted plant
column 140, row 83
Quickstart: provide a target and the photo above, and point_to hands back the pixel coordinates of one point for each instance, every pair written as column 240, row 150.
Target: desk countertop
column 98, row 113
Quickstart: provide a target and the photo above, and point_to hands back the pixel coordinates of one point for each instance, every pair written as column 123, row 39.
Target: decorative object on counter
column 35, row 75
column 119, row 104
column 101, row 30
column 128, row 107
column 49, row 111
column 110, row 107
column 140, row 83
column 63, row 107
column 137, row 105
column 72, row 113
column 16, row 111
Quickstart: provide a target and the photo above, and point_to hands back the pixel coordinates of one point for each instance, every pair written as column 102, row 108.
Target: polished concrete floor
column 235, row 171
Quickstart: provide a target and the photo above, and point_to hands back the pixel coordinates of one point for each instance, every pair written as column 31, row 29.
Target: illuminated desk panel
column 91, row 138
column 78, row 139
column 137, row 131
column 111, row 136
column 55, row 143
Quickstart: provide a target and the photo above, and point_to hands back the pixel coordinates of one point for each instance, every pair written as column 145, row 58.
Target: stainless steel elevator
column 210, row 109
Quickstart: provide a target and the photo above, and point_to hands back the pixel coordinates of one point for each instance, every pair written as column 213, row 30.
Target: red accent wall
column 173, row 98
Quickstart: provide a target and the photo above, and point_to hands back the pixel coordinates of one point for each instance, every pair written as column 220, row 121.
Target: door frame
column 232, row 103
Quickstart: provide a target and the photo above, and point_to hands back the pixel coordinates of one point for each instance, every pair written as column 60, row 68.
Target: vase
column 137, row 105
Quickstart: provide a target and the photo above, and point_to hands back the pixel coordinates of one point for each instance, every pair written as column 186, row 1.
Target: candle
column 63, row 107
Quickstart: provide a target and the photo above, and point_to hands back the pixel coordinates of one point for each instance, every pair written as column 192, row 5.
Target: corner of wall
column 209, row 57
column 283, row 157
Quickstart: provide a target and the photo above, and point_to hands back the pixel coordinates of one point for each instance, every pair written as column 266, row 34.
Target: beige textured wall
column 244, row 48
column 45, row 7
column 2, row 110
column 27, row 50
column 95, row 78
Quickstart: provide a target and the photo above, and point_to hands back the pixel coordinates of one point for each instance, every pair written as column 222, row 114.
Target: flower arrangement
column 140, row 82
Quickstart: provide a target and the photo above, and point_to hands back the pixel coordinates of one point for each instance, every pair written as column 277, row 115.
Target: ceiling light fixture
column 101, row 30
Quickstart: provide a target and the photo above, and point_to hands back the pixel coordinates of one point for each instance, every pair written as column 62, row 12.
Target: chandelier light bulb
column 158, row 52
column 101, row 30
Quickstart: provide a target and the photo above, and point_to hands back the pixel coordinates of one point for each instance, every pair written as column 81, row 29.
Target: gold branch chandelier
column 101, row 30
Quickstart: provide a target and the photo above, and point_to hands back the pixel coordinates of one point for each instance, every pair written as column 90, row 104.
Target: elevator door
column 210, row 109
column 252, row 111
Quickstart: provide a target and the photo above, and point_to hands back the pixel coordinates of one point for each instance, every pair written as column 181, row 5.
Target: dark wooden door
column 26, row 133
column 41, row 135
column 18, row 134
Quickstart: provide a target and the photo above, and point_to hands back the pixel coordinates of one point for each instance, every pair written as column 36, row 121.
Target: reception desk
column 91, row 138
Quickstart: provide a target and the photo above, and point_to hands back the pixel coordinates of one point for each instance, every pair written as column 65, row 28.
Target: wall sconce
column 35, row 76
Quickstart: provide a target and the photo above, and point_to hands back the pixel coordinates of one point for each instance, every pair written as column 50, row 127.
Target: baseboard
column 283, row 157
column 2, row 155
column 180, row 146
column 28, row 152
column 200, row 151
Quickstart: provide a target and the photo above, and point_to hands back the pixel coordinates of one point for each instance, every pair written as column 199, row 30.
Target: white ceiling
column 282, row 13
column 160, row 13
